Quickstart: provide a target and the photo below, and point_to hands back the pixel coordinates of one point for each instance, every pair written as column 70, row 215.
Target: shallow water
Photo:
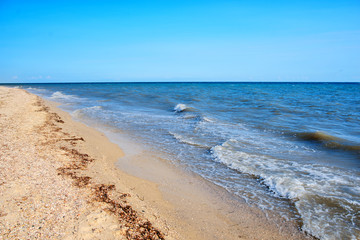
column 289, row 148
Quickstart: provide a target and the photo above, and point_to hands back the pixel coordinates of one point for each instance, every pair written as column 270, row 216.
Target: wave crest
column 183, row 108
column 328, row 141
column 189, row 141
column 62, row 96
column 180, row 107
column 317, row 136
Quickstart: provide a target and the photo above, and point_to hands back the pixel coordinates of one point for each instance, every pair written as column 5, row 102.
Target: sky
column 171, row 40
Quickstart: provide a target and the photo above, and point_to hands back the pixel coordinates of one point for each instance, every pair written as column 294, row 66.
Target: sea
column 288, row 148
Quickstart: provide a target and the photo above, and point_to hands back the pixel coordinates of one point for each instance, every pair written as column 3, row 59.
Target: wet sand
column 60, row 179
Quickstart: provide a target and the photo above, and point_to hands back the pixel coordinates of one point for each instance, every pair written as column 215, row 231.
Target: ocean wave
column 207, row 119
column 328, row 141
column 317, row 136
column 190, row 116
column 189, row 141
column 183, row 108
column 36, row 89
column 39, row 91
column 83, row 112
column 317, row 191
column 61, row 96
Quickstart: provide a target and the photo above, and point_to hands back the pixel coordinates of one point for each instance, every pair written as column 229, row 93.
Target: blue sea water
column 289, row 148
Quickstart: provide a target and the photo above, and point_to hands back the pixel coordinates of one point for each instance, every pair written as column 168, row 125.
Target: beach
column 180, row 120
column 59, row 181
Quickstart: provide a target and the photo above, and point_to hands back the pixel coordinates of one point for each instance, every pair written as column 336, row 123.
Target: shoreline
column 178, row 204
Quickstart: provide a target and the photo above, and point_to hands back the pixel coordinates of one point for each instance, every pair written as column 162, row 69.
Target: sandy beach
column 61, row 179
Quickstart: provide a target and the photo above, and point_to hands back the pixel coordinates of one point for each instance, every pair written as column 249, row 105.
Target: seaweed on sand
column 136, row 227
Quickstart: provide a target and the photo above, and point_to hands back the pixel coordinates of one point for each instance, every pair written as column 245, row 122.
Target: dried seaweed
column 136, row 227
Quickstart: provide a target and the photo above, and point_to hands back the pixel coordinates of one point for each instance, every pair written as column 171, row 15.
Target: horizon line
column 120, row 82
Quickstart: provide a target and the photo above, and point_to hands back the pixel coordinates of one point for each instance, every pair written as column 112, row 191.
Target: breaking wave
column 189, row 141
column 328, row 141
column 183, row 108
column 61, row 96
column 317, row 191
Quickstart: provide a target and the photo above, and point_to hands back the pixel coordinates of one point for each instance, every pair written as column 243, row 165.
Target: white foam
column 180, row 107
column 313, row 188
column 30, row 88
column 189, row 140
column 62, row 96
column 207, row 119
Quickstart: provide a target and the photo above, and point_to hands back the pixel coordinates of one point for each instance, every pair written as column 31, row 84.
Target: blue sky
column 133, row 40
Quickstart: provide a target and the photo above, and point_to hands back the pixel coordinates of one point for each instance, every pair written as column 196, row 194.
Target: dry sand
column 59, row 180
